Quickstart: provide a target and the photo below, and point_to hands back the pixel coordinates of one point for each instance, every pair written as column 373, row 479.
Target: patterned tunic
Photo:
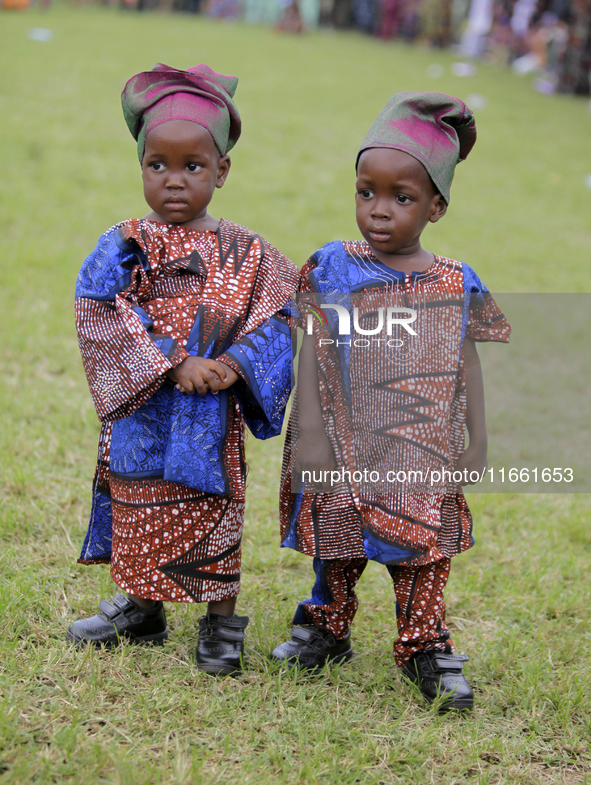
column 168, row 495
column 403, row 414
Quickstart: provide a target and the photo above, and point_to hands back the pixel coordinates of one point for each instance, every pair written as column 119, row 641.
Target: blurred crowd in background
column 551, row 38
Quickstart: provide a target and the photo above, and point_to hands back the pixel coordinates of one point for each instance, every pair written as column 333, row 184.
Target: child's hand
column 315, row 454
column 227, row 375
column 473, row 459
column 197, row 374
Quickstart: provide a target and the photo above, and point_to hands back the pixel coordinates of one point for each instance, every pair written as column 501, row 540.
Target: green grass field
column 518, row 603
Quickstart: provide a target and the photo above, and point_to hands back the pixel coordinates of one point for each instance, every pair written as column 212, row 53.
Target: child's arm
column 197, row 374
column 314, row 451
column 474, row 456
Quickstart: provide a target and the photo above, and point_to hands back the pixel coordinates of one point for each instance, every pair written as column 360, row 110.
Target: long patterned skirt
column 173, row 543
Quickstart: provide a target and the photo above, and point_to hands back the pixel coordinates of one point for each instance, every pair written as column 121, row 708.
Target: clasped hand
column 200, row 375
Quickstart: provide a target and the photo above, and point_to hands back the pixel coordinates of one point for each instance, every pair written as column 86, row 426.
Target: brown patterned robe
column 168, row 496
column 411, row 416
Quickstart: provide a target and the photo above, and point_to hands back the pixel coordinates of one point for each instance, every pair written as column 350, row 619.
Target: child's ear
column 438, row 208
column 223, row 168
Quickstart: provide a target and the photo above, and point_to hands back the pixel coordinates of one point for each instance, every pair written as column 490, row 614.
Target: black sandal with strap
column 120, row 620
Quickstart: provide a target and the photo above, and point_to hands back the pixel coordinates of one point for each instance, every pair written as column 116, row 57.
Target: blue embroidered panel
column 474, row 290
column 198, row 427
column 175, row 436
column 472, row 282
column 98, row 540
column 107, row 271
column 290, row 540
column 264, row 357
column 138, row 442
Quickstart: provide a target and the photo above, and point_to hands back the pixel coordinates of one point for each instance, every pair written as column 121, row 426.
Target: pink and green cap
column 436, row 129
column 198, row 94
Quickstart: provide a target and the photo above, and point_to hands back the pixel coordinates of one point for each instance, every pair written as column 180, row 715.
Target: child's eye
column 194, row 167
column 156, row 166
column 366, row 193
column 402, row 199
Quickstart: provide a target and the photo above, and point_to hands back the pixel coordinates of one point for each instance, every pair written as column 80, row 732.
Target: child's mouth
column 379, row 236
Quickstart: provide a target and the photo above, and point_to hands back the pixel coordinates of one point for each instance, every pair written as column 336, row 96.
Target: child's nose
column 381, row 209
column 175, row 179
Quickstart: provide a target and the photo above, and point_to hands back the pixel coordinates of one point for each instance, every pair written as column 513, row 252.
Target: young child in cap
column 354, row 405
column 184, row 337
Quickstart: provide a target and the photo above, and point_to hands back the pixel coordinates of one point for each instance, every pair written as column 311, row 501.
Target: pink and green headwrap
column 436, row 129
column 198, row 94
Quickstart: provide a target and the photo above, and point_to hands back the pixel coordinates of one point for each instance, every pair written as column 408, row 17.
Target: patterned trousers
column 420, row 606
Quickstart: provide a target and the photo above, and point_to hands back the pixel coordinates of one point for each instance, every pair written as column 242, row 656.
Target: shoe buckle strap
column 123, row 603
column 446, row 663
column 117, row 611
column 302, row 634
column 235, row 622
column 108, row 609
column 233, row 630
column 228, row 634
column 315, row 637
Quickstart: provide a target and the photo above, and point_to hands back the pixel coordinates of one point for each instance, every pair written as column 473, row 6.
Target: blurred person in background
column 365, row 14
column 575, row 68
column 291, row 19
column 436, row 22
column 478, row 25
column 390, row 15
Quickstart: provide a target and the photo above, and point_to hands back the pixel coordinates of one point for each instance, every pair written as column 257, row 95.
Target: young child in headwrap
column 393, row 394
column 167, row 306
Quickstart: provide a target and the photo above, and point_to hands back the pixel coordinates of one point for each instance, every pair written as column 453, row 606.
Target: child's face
column 395, row 200
column 181, row 169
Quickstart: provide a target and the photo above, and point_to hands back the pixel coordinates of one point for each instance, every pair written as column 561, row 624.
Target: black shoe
column 120, row 620
column 312, row 647
column 439, row 675
column 221, row 644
